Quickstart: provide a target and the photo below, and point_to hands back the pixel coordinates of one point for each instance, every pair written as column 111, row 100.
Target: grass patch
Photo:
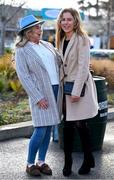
column 14, row 109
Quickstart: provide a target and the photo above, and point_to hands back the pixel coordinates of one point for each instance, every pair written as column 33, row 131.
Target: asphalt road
column 13, row 155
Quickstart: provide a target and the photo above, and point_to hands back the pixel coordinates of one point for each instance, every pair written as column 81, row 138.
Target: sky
column 54, row 3
column 39, row 4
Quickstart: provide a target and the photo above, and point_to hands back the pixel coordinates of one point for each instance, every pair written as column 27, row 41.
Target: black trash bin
column 97, row 125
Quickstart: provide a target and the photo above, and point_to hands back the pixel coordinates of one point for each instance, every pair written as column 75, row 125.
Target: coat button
column 65, row 65
column 65, row 75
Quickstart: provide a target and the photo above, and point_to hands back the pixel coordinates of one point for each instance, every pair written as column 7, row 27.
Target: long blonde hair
column 78, row 28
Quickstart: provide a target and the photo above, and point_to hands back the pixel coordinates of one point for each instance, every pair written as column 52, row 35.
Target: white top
column 47, row 58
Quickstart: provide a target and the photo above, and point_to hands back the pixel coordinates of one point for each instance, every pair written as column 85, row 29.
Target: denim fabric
column 40, row 139
column 55, row 134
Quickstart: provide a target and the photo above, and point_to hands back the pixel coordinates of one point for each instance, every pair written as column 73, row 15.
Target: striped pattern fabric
column 35, row 80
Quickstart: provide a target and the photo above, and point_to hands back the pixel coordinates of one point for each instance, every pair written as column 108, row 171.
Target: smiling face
column 67, row 23
column 34, row 34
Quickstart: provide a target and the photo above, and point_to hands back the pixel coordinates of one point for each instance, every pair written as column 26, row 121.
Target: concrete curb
column 25, row 129
column 110, row 113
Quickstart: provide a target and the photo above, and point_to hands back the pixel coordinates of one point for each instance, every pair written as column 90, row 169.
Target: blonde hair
column 22, row 38
column 78, row 28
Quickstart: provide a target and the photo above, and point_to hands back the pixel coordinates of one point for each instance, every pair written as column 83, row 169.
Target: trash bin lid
column 98, row 78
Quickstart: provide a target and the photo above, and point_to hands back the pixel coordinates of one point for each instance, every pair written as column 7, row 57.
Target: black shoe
column 91, row 161
column 87, row 165
column 85, row 169
column 67, row 167
column 67, row 171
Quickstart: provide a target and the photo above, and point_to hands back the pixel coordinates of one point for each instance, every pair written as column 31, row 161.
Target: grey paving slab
column 13, row 155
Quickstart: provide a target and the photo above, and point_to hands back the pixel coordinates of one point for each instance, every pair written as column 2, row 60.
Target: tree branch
column 18, row 9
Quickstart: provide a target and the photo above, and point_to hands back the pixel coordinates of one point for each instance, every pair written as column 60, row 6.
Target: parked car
column 102, row 53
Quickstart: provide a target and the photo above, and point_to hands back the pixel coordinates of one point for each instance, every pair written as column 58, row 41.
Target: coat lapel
column 47, row 46
column 29, row 50
column 70, row 44
column 61, row 50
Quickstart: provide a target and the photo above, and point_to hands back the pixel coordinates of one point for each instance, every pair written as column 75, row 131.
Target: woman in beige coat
column 74, row 47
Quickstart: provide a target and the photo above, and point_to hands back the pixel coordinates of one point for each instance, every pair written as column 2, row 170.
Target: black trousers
column 69, row 129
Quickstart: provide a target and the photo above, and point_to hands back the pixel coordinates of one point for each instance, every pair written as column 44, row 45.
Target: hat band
column 29, row 24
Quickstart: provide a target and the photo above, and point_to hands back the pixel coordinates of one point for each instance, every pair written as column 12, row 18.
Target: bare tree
column 5, row 17
column 104, row 15
column 109, row 29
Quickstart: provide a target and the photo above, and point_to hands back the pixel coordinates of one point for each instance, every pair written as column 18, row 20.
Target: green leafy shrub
column 8, row 50
column 15, row 85
column 1, row 85
column 110, row 97
column 3, row 82
column 8, row 74
column 14, row 111
column 6, row 67
column 13, row 99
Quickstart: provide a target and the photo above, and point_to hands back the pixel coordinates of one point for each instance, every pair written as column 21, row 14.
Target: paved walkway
column 13, row 159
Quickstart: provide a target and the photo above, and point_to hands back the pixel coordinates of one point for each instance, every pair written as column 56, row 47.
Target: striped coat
column 35, row 80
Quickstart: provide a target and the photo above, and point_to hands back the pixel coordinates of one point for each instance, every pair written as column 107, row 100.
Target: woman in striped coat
column 37, row 66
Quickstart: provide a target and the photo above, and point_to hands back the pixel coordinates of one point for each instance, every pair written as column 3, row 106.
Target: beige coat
column 76, row 68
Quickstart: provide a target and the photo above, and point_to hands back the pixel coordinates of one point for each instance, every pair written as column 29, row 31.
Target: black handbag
column 68, row 86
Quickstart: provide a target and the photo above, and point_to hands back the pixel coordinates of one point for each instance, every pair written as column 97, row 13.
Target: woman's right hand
column 74, row 98
column 43, row 103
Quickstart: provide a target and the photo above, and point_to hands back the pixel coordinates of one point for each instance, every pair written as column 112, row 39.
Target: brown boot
column 33, row 171
column 45, row 169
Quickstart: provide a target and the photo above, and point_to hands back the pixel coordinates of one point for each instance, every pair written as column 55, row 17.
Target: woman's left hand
column 74, row 98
